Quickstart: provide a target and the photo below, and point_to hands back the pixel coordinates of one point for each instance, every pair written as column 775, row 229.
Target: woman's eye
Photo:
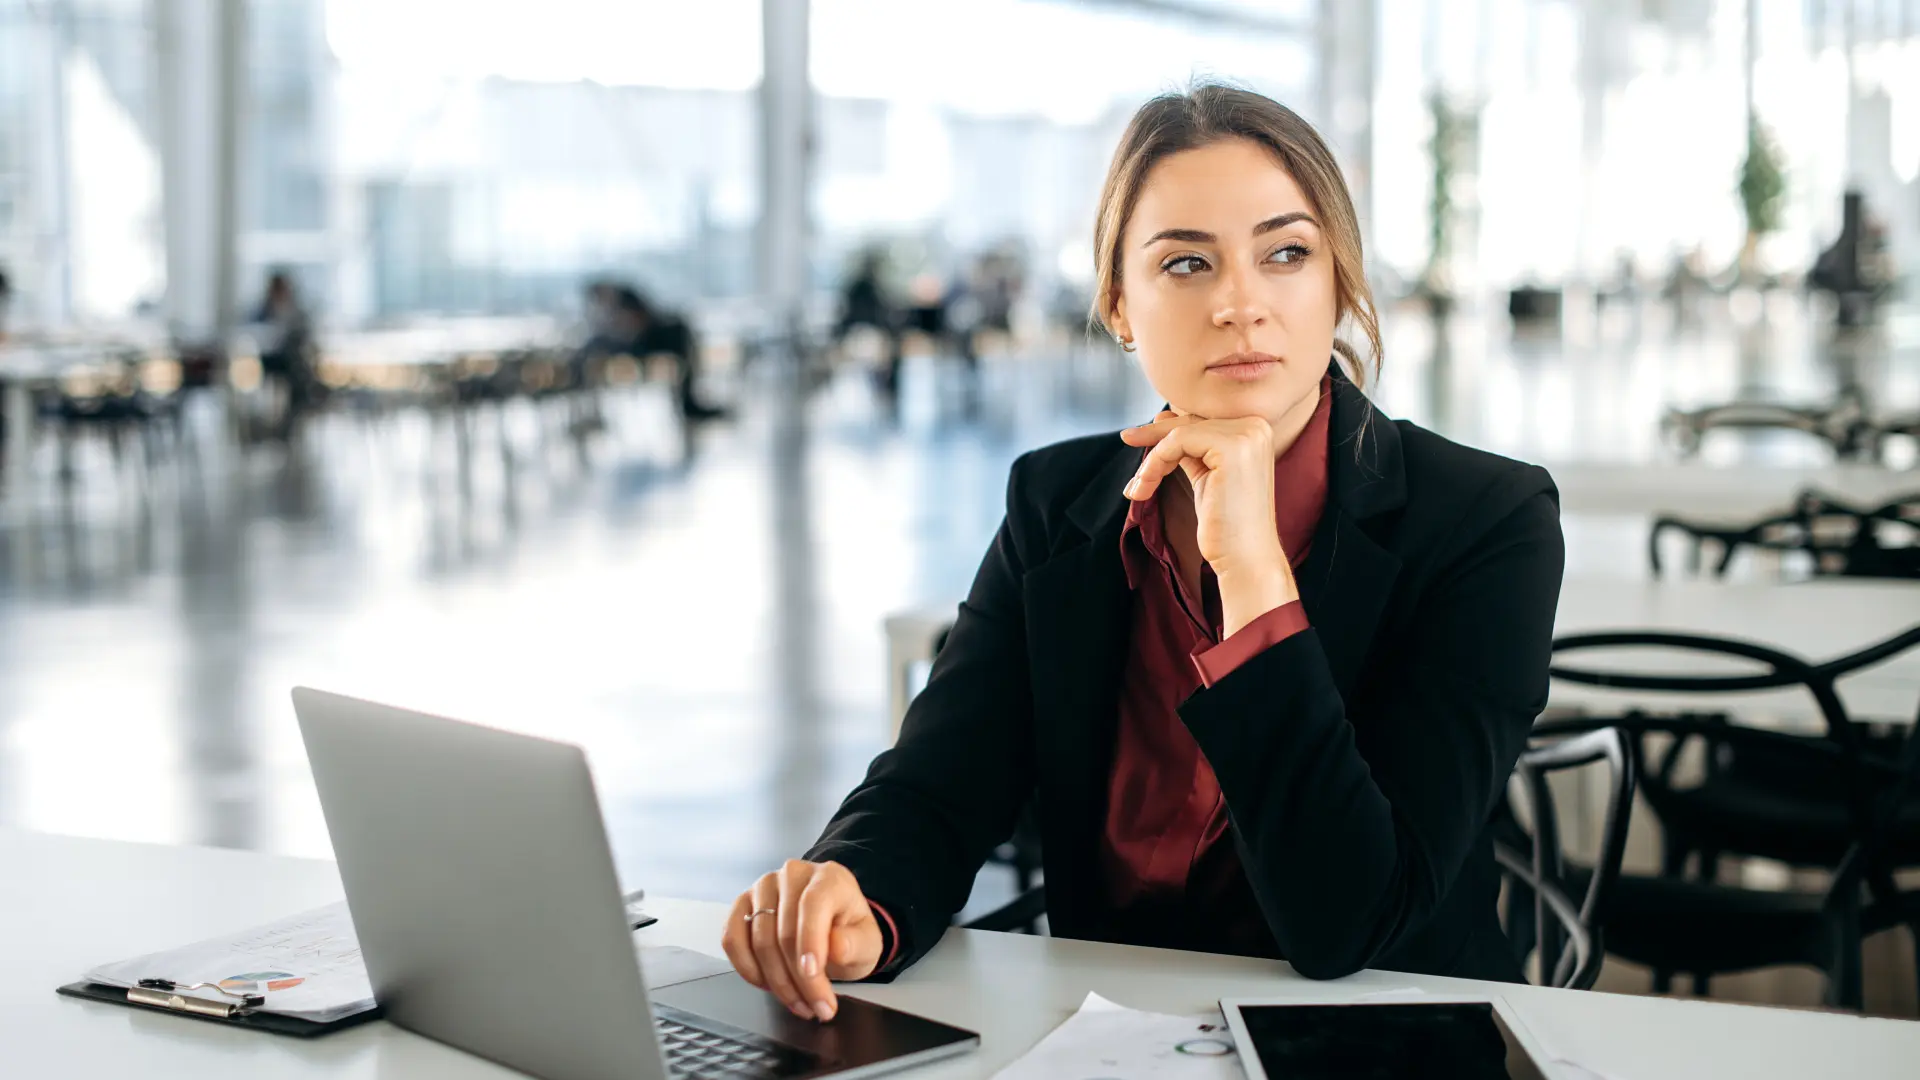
column 1292, row 253
column 1184, row 265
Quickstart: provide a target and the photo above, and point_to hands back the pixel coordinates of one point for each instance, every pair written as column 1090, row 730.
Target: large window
column 490, row 157
column 953, row 129
column 80, row 228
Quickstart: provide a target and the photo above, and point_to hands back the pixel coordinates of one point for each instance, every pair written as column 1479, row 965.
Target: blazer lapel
column 1349, row 576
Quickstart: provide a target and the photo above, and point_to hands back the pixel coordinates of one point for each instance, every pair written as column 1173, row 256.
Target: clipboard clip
column 167, row 994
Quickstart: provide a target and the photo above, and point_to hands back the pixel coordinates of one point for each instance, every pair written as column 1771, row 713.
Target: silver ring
column 748, row 919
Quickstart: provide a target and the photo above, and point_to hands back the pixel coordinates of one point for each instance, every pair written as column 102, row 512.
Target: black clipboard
column 252, row 1019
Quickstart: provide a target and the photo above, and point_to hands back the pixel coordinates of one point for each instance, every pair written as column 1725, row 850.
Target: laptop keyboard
column 695, row 1051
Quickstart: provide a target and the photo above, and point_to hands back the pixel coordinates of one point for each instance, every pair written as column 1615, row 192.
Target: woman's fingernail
column 809, row 966
column 823, row 1009
column 1132, row 486
column 800, row 1010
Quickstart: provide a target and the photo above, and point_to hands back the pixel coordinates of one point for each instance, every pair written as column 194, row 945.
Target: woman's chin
column 1237, row 403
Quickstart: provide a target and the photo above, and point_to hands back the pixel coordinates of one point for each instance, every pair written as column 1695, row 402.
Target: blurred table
column 911, row 637
column 67, row 904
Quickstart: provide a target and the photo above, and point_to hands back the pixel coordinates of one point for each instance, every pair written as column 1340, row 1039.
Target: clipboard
column 244, row 1010
column 236, row 1014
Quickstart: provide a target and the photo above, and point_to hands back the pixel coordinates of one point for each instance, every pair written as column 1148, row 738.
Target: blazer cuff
column 1216, row 662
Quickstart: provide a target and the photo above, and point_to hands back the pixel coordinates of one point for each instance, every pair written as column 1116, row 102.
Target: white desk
column 66, row 904
column 1817, row 620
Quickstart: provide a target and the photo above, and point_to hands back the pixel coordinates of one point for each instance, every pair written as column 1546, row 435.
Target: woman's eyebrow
column 1201, row 236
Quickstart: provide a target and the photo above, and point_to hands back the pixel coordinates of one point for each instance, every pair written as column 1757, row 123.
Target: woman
column 1262, row 665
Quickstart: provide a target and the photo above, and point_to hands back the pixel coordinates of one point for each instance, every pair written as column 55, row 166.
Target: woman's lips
column 1244, row 367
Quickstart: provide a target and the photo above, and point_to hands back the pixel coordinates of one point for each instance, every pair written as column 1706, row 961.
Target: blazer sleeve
column 1351, row 841
column 916, row 831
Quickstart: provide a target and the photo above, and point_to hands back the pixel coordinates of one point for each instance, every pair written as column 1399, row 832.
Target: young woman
column 1262, row 665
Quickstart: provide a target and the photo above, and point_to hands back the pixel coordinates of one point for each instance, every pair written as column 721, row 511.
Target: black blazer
column 1359, row 760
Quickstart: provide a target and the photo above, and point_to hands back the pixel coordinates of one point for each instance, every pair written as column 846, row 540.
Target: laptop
column 490, row 918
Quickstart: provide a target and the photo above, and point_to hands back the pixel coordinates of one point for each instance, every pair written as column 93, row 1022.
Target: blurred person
column 1687, row 284
column 942, row 312
column 864, row 303
column 1851, row 267
column 1263, row 663
column 623, row 322
column 284, row 332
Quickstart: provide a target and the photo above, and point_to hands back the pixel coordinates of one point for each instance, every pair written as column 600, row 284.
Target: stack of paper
column 1112, row 1041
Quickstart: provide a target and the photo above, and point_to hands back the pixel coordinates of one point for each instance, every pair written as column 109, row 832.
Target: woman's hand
column 1229, row 464
column 798, row 927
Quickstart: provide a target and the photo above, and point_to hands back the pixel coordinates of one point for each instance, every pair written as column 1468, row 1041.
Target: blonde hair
column 1209, row 113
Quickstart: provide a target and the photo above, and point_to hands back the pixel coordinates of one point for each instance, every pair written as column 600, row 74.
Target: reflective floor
column 704, row 615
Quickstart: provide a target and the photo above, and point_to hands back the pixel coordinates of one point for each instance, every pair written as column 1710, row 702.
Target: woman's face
column 1227, row 288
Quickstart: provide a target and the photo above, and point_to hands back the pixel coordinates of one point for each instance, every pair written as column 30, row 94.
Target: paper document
column 1113, row 1042
column 308, row 965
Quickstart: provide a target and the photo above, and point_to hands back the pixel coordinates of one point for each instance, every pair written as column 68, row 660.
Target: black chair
column 1752, row 801
column 1843, row 424
column 1709, row 928
column 1567, row 935
column 1837, row 538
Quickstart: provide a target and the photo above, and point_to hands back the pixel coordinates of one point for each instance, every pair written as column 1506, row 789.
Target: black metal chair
column 1709, row 928
column 1837, row 538
column 1843, row 424
column 1566, row 934
column 1753, row 802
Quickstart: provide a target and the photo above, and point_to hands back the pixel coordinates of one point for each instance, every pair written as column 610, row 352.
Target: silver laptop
column 477, row 871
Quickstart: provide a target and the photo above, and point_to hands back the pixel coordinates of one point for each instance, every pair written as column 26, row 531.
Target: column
column 200, row 68
column 52, row 259
column 786, row 159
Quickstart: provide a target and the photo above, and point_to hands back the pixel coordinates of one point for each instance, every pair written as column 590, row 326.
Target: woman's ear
column 1117, row 323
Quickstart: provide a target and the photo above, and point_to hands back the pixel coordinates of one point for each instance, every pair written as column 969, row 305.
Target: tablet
column 1463, row 1038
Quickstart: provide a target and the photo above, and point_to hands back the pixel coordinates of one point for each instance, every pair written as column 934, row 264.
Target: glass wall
column 952, row 130
column 80, row 227
column 488, row 158
column 412, row 156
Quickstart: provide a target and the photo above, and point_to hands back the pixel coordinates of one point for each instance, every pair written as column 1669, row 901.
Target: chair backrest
column 1838, row 538
column 1864, row 863
column 1782, row 671
column 1567, row 920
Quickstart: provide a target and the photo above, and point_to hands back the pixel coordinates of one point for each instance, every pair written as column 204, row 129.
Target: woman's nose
column 1238, row 302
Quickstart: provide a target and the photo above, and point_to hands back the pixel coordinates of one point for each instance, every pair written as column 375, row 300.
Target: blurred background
column 645, row 373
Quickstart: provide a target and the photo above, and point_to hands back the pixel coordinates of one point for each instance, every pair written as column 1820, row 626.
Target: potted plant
column 1763, row 196
column 1443, row 153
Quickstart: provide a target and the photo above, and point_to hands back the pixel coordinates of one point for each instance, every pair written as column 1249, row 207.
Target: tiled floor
column 704, row 617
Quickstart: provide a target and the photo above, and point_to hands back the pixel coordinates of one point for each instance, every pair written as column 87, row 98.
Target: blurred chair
column 122, row 396
column 1807, row 801
column 1710, row 928
column 1567, row 935
column 1843, row 425
column 1837, row 538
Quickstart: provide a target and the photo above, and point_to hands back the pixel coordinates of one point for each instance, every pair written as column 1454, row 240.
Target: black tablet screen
column 1360, row 1042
